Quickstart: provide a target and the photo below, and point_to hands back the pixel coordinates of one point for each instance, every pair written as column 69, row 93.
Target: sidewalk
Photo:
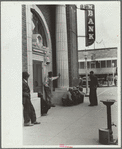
column 75, row 125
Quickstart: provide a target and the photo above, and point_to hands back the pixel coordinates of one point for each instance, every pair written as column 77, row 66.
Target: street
column 74, row 125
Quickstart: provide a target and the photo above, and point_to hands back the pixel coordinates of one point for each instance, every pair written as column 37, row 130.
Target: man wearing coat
column 93, row 90
column 28, row 109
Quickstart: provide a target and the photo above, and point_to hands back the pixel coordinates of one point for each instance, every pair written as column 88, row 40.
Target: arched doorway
column 38, row 41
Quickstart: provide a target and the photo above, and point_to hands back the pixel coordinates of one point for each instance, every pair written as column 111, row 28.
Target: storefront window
column 103, row 64
column 97, row 64
column 92, row 65
column 115, row 63
column 88, row 65
column 109, row 63
column 81, row 65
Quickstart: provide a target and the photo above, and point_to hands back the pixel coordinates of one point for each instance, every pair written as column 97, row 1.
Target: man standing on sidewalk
column 93, row 90
column 48, row 88
column 28, row 109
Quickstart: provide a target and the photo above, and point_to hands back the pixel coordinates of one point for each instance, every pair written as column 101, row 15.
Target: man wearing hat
column 28, row 109
column 93, row 89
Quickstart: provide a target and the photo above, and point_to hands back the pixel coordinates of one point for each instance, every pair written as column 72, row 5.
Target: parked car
column 100, row 81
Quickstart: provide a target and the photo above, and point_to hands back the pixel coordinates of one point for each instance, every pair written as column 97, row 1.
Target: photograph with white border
column 61, row 74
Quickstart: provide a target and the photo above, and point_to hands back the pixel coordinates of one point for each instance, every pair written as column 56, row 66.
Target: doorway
column 37, row 76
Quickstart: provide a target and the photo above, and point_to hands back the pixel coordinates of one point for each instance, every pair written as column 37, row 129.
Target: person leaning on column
column 48, row 87
column 28, row 109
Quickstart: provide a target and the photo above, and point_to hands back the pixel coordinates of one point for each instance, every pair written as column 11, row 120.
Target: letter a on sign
column 90, row 24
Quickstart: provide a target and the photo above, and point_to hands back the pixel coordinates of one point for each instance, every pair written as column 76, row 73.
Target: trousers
column 29, row 112
column 93, row 96
column 48, row 94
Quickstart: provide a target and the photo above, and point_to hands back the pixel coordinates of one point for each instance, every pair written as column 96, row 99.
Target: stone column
column 61, row 46
column 29, row 46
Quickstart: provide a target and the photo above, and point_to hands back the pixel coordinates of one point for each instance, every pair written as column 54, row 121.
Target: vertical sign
column 90, row 24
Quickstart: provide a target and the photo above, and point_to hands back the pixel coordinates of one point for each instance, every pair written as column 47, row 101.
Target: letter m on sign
column 90, row 24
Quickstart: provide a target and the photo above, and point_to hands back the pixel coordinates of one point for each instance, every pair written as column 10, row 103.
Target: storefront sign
column 90, row 24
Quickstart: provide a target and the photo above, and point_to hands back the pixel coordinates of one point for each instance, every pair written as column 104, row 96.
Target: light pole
column 85, row 55
column 113, row 73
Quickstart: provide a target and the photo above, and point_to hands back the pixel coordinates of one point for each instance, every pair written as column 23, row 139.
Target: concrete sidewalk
column 75, row 125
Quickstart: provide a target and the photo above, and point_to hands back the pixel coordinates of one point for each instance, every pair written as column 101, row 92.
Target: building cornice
column 98, row 59
column 98, row 49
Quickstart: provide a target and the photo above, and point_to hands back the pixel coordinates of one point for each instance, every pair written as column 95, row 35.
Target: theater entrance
column 37, row 76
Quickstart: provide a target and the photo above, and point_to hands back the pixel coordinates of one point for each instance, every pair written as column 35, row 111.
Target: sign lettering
column 89, row 6
column 90, row 24
column 91, row 28
column 90, row 21
column 91, row 36
column 90, row 13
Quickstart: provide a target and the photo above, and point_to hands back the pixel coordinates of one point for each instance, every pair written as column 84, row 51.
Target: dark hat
column 50, row 74
column 25, row 74
column 91, row 72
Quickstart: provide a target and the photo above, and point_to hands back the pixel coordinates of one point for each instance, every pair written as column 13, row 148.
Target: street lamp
column 113, row 73
column 85, row 55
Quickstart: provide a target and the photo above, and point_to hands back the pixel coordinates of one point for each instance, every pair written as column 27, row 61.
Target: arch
column 30, row 54
column 38, row 12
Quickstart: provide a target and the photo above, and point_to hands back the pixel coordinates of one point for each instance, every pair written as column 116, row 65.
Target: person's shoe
column 28, row 124
column 96, row 105
column 36, row 123
column 90, row 105
column 44, row 114
column 52, row 105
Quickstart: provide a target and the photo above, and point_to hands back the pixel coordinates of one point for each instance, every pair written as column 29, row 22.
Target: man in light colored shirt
column 48, row 87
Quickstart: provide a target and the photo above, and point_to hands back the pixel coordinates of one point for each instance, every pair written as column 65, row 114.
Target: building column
column 29, row 46
column 62, row 47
